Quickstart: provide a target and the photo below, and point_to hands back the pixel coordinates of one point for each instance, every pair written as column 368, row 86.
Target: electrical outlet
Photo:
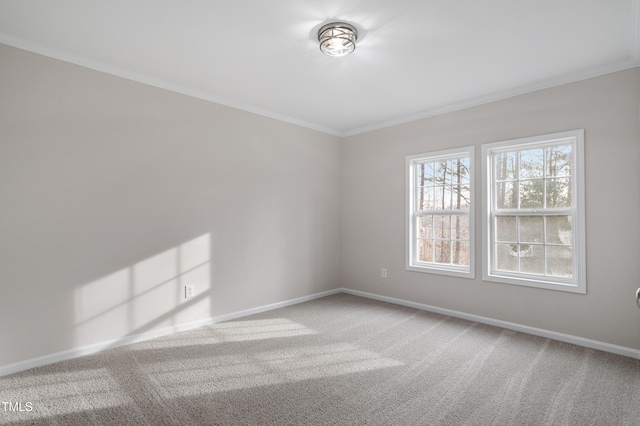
column 383, row 274
column 189, row 291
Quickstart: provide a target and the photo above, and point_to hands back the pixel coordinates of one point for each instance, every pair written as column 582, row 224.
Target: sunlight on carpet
column 222, row 373
column 70, row 392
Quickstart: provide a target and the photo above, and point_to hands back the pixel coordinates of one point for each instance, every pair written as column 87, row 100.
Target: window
column 440, row 212
column 533, row 211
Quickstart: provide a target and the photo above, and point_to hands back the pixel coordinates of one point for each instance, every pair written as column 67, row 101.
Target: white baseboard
column 127, row 340
column 576, row 340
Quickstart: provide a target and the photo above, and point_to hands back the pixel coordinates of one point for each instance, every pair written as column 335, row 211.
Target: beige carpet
column 336, row 360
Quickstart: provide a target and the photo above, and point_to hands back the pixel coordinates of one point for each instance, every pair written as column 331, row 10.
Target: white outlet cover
column 189, row 291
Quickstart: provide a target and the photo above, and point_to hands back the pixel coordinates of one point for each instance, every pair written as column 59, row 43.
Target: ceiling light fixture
column 337, row 39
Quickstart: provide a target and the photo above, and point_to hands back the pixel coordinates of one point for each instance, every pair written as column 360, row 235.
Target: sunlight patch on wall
column 102, row 306
column 147, row 295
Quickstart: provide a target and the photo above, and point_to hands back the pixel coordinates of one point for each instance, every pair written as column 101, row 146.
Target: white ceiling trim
column 48, row 51
column 497, row 96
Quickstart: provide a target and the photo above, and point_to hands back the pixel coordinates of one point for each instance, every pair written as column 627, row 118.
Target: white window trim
column 578, row 283
column 410, row 231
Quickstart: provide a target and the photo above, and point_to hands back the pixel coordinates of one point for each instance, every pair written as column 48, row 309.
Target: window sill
column 545, row 284
column 443, row 270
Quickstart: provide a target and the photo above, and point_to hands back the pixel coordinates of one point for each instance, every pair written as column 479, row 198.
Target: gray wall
column 373, row 208
column 115, row 194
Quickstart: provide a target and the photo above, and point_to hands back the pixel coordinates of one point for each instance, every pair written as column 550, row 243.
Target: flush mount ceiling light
column 337, row 39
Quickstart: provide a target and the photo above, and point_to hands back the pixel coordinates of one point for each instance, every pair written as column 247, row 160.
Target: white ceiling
column 414, row 58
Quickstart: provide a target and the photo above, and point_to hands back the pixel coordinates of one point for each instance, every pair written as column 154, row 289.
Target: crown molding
column 631, row 62
column 497, row 96
column 50, row 52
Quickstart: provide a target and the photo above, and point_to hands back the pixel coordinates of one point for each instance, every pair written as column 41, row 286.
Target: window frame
column 411, row 229
column 575, row 284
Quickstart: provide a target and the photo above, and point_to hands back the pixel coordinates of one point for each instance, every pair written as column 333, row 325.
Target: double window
column 532, row 212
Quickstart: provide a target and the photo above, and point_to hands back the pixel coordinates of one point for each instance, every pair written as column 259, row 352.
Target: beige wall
column 373, row 208
column 115, row 194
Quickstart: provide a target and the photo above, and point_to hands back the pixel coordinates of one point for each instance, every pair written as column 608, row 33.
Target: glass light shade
column 337, row 39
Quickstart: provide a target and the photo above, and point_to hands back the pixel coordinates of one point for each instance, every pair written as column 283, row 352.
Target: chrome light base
column 337, row 39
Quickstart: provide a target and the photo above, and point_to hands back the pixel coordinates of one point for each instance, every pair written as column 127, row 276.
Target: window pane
column 425, row 250
column 442, row 171
column 425, row 199
column 505, row 165
column 451, row 170
column 558, row 161
column 438, row 198
column 560, row 261
column 531, row 229
column 442, row 226
column 461, row 253
column 531, row 193
column 461, row 197
column 449, row 197
column 442, row 252
column 506, row 196
column 559, row 192
column 425, row 227
column 463, row 176
column 429, row 174
column 506, row 257
column 443, row 197
column 506, row 228
column 460, row 227
column 558, row 230
column 531, row 259
column 420, row 174
column 531, row 163
column 457, row 172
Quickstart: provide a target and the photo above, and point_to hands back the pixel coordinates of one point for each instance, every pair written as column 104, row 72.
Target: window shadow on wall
column 147, row 295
